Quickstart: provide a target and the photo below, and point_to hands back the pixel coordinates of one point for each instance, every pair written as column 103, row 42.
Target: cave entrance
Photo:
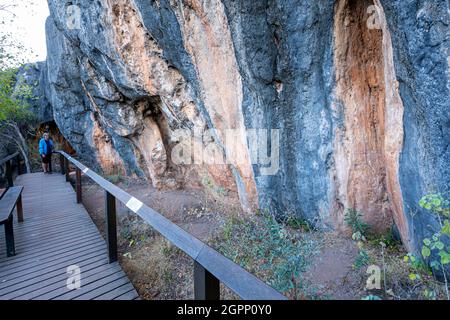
column 60, row 144
column 368, row 139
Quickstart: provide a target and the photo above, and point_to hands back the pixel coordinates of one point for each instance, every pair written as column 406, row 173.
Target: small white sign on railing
column 134, row 204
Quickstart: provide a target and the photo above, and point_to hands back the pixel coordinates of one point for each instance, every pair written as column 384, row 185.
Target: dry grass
column 276, row 253
column 398, row 285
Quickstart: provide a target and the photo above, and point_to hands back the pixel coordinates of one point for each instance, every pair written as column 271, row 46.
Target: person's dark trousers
column 50, row 164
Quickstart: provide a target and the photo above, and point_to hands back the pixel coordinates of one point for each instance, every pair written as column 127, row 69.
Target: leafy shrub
column 298, row 224
column 362, row 259
column 268, row 249
column 439, row 205
column 115, row 178
column 353, row 219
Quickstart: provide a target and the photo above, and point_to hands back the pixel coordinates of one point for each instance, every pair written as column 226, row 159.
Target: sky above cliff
column 25, row 21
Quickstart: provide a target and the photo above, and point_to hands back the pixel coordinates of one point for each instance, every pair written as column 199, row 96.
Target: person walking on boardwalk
column 46, row 150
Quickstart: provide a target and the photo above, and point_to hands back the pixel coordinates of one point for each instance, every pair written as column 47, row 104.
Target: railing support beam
column 19, row 167
column 19, row 208
column 9, row 237
column 206, row 285
column 67, row 169
column 111, row 226
column 9, row 174
column 78, row 185
column 62, row 163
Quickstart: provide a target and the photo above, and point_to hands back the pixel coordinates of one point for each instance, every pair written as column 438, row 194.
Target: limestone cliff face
column 357, row 89
column 34, row 76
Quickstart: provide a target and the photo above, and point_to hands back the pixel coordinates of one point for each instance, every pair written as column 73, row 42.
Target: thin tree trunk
column 18, row 139
column 22, row 144
column 25, row 157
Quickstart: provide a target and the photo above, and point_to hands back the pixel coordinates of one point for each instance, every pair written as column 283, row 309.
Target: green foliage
column 167, row 249
column 417, row 267
column 14, row 92
column 436, row 203
column 388, row 239
column 353, row 219
column 15, row 116
column 362, row 259
column 371, row 297
column 207, row 183
column 430, row 294
column 446, row 228
column 214, row 190
column 115, row 178
column 358, row 236
column 434, row 250
column 222, row 192
column 439, row 205
column 415, row 263
column 297, row 223
column 13, row 105
column 268, row 249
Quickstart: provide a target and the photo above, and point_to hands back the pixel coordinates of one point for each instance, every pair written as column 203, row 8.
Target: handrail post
column 19, row 168
column 62, row 163
column 9, row 235
column 19, row 208
column 111, row 226
column 78, row 185
column 206, row 285
column 8, row 171
column 67, row 169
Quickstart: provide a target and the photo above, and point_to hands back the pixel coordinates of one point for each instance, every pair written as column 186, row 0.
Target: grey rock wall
column 136, row 71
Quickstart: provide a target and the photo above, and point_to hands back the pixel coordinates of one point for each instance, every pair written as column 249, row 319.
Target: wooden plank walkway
column 57, row 233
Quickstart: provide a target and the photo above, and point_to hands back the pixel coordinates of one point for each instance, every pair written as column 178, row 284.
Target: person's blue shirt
column 45, row 147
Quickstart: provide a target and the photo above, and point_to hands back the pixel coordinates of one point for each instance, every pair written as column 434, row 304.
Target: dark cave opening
column 58, row 138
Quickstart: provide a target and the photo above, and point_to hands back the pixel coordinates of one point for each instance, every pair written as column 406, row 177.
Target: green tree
column 14, row 112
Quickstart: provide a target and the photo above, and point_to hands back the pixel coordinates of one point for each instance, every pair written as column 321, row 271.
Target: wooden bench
column 11, row 198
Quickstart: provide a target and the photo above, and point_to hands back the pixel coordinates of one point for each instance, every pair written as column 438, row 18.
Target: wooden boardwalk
column 57, row 233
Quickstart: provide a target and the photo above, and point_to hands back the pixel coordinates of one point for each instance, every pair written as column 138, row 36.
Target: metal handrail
column 210, row 267
column 8, row 158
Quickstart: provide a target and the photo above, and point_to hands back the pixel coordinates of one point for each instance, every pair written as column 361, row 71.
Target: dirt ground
column 332, row 270
column 160, row 271
column 156, row 268
column 150, row 261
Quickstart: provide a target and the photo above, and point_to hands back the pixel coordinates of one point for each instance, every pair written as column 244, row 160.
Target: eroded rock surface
column 370, row 137
column 358, row 90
